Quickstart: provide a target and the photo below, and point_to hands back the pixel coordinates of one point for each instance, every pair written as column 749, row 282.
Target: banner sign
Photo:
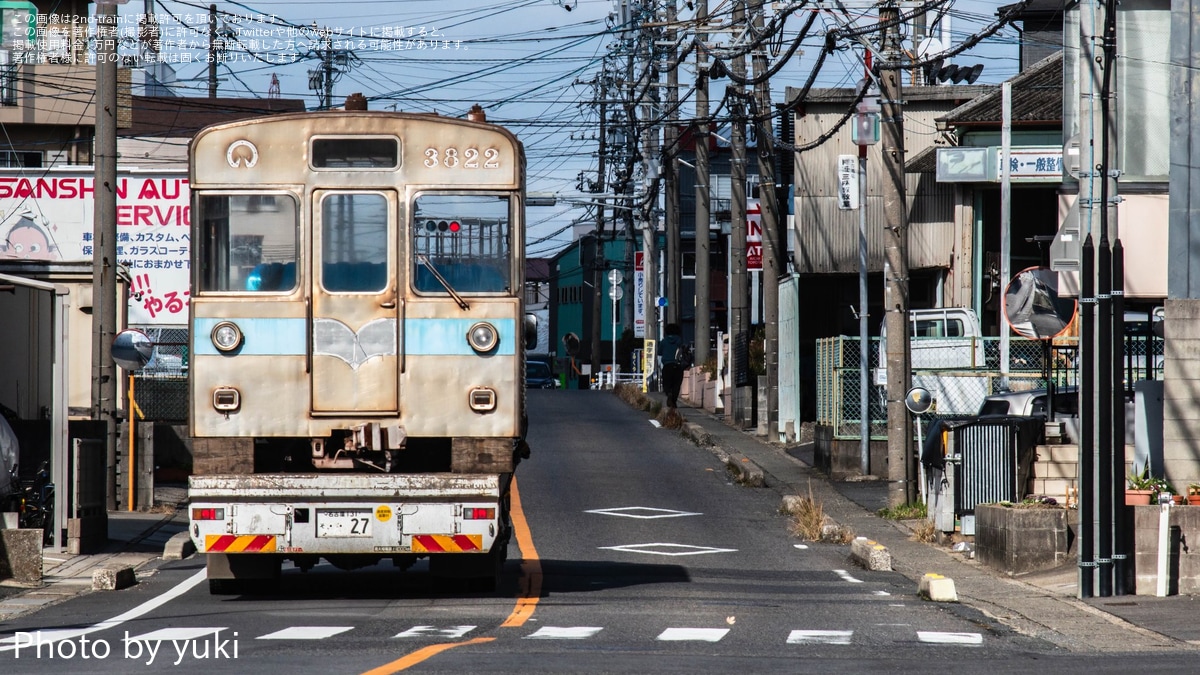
column 48, row 215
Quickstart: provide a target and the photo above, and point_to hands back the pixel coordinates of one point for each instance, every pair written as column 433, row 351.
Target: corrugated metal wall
column 827, row 236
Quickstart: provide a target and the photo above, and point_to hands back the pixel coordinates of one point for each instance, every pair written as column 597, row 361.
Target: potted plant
column 1142, row 488
column 1193, row 494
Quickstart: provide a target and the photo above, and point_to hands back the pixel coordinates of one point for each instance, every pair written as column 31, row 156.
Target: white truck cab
column 947, row 337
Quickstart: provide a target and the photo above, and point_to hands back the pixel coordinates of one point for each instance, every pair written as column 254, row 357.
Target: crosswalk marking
column 451, row 633
column 937, row 638
column 675, row 634
column 693, row 634
column 828, row 637
column 305, row 633
column 564, row 633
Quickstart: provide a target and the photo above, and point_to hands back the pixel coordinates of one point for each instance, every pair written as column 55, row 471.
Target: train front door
column 355, row 309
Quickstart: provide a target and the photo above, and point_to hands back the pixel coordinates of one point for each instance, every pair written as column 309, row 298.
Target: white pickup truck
column 944, row 339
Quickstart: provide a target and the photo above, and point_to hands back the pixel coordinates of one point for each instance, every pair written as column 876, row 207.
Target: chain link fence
column 959, row 376
column 160, row 388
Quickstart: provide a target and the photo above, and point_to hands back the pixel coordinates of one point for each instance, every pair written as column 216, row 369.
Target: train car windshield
column 247, row 243
column 466, row 238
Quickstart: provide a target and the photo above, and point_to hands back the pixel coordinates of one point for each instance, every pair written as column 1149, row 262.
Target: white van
column 948, row 337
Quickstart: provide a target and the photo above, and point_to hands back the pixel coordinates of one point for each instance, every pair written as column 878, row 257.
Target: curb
column 870, row 554
column 744, row 470
column 179, row 546
column 113, row 578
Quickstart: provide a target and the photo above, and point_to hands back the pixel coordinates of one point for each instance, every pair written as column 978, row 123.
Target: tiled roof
column 1037, row 99
column 167, row 116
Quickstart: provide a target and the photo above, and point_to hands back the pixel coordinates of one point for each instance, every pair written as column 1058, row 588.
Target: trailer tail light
column 208, row 514
column 479, row 514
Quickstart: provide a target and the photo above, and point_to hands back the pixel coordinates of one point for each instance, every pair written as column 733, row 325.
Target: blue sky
column 519, row 59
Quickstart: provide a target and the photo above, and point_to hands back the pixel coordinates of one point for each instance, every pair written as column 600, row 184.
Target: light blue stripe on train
column 288, row 337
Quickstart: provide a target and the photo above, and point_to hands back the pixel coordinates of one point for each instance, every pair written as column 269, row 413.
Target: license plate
column 353, row 523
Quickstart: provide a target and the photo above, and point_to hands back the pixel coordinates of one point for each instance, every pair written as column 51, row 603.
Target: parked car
column 1035, row 403
column 538, row 375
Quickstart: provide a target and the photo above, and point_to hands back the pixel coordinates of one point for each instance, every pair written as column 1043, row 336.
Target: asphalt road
column 636, row 554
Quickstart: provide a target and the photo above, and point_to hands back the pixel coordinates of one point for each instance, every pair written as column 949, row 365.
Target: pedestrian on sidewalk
column 673, row 355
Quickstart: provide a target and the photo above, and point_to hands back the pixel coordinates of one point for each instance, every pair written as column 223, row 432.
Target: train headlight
column 226, row 336
column 483, row 337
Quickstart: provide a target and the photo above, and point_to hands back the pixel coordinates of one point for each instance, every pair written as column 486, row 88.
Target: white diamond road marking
column 305, row 633
column 693, row 634
column 177, row 634
column 643, row 512
column 935, row 638
column 846, row 576
column 826, row 637
column 679, row 549
column 451, row 633
column 569, row 633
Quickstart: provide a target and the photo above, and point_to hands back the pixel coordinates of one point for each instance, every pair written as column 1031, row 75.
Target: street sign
column 615, row 277
column 616, row 292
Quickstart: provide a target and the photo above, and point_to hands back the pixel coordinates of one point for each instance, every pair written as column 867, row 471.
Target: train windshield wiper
column 424, row 260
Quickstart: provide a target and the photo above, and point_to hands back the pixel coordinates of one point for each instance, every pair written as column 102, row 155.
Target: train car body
column 357, row 330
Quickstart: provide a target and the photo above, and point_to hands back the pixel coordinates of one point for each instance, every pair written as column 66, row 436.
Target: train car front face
column 383, row 301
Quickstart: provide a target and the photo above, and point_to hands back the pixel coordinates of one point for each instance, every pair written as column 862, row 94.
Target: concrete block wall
column 1183, row 563
column 1181, row 391
column 1020, row 541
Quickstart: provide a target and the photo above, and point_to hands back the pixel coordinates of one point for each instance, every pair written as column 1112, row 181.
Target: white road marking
column 57, row 634
column 881, row 593
column 305, row 633
column 827, row 637
column 643, row 512
column 451, row 633
column 693, row 634
column 181, row 634
column 673, row 549
column 846, row 576
column 656, row 424
column 936, row 638
column 564, row 633
column 802, row 547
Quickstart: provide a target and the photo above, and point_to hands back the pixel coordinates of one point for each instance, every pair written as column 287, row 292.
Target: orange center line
column 530, row 593
column 410, row 660
column 531, row 566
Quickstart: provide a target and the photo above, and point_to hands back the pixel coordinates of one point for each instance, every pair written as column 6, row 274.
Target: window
column 243, row 251
column 464, row 238
column 356, row 153
column 354, row 242
column 11, row 159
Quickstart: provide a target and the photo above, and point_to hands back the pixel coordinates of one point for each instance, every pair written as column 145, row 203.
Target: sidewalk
column 1042, row 605
column 134, row 539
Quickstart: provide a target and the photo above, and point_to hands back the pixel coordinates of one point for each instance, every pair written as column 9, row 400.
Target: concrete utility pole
column 739, row 312
column 104, row 243
column 703, row 194
column 649, row 193
column 212, row 51
column 772, row 257
column 598, row 262
column 901, row 488
column 670, row 168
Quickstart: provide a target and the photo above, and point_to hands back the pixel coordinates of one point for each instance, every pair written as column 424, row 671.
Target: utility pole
column 104, row 238
column 739, row 312
column 895, row 266
column 212, row 51
column 674, row 271
column 703, row 195
column 598, row 263
column 768, row 203
column 649, row 193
